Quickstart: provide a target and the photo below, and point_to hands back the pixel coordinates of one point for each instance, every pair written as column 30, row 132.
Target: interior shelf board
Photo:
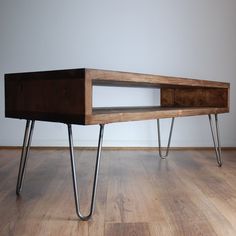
column 128, row 109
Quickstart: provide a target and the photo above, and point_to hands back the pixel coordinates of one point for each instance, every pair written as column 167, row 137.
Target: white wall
column 186, row 38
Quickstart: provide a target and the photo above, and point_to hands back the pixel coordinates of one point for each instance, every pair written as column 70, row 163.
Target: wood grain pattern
column 116, row 78
column 138, row 194
column 200, row 97
column 127, row 229
column 122, row 114
column 66, row 96
column 49, row 99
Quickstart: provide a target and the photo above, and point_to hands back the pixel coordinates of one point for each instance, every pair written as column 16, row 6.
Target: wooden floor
column 138, row 194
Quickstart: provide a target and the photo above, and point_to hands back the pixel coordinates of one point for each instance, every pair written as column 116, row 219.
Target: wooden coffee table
column 66, row 96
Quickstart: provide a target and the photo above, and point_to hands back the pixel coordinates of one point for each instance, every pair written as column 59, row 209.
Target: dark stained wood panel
column 54, row 74
column 198, row 97
column 56, row 100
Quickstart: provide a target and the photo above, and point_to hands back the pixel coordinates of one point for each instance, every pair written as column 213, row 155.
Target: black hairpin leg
column 163, row 156
column 74, row 176
column 216, row 139
column 29, row 128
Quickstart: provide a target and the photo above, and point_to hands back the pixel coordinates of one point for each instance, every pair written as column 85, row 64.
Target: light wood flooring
column 138, row 194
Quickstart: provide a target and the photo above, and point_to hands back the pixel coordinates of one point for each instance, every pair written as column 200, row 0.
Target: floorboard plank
column 138, row 194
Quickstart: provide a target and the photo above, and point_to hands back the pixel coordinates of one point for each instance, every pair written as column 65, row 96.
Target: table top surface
column 117, row 78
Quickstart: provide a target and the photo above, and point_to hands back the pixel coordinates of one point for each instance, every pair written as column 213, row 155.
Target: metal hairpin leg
column 159, row 139
column 29, row 128
column 74, row 176
column 216, row 139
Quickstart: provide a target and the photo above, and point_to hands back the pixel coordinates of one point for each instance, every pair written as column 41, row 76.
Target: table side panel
column 88, row 95
column 49, row 99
